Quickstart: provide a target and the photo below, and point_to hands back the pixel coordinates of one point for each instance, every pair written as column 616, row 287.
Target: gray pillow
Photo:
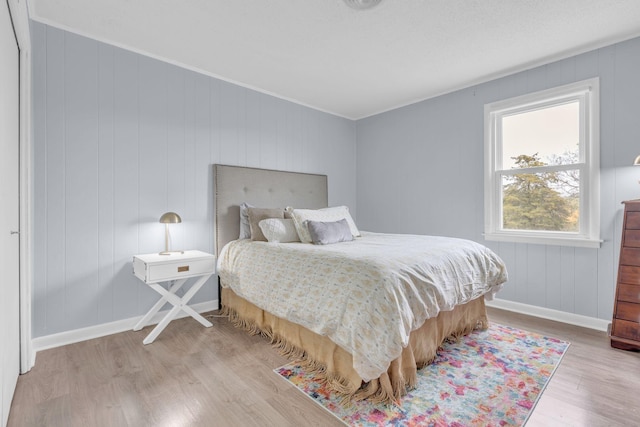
column 324, row 233
column 258, row 214
column 245, row 228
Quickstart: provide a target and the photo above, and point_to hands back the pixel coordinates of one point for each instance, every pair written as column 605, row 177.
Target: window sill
column 579, row 242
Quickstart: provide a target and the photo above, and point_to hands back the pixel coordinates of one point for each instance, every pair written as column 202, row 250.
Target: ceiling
column 326, row 55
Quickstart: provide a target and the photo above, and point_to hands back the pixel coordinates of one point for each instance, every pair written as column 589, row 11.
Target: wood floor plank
column 195, row 376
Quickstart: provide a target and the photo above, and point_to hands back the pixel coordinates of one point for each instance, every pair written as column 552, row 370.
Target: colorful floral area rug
column 487, row 378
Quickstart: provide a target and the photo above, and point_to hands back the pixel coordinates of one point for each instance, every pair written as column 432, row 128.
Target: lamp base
column 170, row 252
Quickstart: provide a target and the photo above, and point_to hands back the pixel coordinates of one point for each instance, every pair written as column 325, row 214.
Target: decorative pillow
column 245, row 229
column 325, row 233
column 326, row 214
column 279, row 230
column 258, row 214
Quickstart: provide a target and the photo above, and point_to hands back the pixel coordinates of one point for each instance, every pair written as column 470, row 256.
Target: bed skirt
column 334, row 364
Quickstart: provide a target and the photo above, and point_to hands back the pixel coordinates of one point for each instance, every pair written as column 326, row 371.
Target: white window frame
column 587, row 93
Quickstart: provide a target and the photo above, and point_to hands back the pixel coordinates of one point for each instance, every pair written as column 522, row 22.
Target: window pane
column 552, row 133
column 541, row 201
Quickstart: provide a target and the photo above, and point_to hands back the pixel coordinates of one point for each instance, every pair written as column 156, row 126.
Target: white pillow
column 325, row 215
column 279, row 230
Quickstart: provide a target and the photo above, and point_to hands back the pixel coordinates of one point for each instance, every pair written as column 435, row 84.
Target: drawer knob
column 183, row 268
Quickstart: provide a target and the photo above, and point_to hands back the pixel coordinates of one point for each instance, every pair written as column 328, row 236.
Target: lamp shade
column 636, row 162
column 170, row 218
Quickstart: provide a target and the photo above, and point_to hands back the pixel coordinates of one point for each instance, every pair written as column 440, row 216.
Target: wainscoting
column 420, row 170
column 119, row 139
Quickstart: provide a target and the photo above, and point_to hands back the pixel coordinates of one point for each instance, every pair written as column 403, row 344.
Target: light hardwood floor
column 221, row 376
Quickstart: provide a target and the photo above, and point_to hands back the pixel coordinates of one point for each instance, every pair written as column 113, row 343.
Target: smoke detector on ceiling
column 362, row 4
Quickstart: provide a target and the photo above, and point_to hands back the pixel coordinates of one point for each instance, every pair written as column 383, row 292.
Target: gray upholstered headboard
column 263, row 188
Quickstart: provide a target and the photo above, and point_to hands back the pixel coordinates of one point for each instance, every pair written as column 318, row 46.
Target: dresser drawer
column 630, row 256
column 628, row 293
column 629, row 274
column 628, row 311
column 632, row 238
column 632, row 221
column 626, row 329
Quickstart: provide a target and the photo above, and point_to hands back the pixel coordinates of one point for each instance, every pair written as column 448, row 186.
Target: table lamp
column 166, row 219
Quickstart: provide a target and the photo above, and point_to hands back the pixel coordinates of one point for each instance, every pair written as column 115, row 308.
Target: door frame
column 20, row 18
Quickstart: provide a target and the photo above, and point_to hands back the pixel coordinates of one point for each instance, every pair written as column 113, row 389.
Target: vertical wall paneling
column 81, row 180
column 106, row 175
column 586, row 297
column 567, row 279
column 507, row 252
column 536, row 269
column 553, row 269
column 175, row 154
column 608, row 61
column 119, row 139
column 524, row 276
column 55, row 196
column 285, row 134
column 607, row 272
column 188, row 227
column 125, row 287
column 297, row 150
column 427, row 159
column 202, row 217
column 152, row 152
column 268, row 132
column 252, row 129
column 226, row 109
column 152, row 162
column 40, row 212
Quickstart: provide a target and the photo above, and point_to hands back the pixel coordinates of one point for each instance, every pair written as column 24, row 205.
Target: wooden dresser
column 625, row 327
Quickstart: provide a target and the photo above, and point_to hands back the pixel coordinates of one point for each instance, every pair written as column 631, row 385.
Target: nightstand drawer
column 153, row 268
column 626, row 329
column 176, row 270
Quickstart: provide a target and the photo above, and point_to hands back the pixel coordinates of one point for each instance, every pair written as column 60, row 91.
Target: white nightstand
column 155, row 268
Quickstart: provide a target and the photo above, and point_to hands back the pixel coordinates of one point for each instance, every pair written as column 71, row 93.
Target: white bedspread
column 366, row 295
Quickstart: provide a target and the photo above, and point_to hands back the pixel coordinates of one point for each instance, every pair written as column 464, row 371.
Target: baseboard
column 551, row 314
column 97, row 331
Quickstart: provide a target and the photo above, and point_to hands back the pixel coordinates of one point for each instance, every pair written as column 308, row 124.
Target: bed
column 365, row 314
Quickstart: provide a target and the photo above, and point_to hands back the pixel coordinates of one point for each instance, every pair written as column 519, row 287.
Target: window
column 542, row 181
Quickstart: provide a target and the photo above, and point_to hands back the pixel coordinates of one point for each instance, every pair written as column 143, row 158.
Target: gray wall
column 119, row 139
column 420, row 170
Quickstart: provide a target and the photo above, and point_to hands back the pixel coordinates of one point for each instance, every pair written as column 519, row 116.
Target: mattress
column 366, row 296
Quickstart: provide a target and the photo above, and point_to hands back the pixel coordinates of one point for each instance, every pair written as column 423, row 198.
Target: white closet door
column 9, row 213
